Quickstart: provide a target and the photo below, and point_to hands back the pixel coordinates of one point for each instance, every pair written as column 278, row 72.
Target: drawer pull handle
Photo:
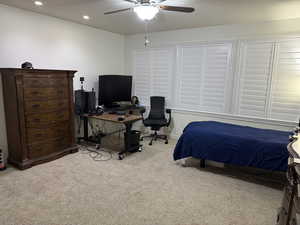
column 36, row 106
column 38, row 135
column 35, row 93
column 37, row 120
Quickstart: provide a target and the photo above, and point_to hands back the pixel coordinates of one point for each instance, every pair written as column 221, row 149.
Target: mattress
column 234, row 144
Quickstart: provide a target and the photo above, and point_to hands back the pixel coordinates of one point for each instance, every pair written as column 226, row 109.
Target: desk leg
column 86, row 128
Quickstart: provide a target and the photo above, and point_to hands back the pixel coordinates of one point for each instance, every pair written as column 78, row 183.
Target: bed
column 234, row 144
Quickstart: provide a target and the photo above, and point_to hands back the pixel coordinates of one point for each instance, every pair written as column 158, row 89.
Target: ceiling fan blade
column 177, row 8
column 117, row 11
column 132, row 1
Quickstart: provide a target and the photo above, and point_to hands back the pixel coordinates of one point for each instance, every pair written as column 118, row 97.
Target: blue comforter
column 234, row 144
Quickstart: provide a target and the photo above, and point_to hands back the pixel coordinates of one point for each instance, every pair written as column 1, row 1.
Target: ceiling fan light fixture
column 146, row 12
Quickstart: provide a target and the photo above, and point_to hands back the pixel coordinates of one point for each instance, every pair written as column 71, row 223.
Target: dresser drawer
column 36, row 106
column 41, row 149
column 37, row 120
column 58, row 116
column 41, row 120
column 58, row 104
column 45, row 81
column 52, row 132
column 45, row 93
column 45, row 106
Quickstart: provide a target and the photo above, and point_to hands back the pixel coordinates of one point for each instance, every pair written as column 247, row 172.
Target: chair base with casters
column 156, row 136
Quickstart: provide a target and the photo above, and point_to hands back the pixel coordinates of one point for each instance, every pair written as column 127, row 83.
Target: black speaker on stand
column 85, row 103
column 80, row 102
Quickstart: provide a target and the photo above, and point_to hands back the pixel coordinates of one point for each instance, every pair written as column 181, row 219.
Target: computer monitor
column 114, row 88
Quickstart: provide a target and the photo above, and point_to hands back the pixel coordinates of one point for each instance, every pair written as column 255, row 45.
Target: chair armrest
column 169, row 111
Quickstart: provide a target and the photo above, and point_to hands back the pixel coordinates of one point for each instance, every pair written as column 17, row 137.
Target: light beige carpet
column 146, row 188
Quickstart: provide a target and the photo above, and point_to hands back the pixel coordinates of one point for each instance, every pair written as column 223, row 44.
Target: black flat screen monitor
column 114, row 88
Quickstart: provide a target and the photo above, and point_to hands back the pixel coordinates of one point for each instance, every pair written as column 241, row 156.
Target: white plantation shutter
column 216, row 87
column 255, row 77
column 189, row 77
column 285, row 101
column 153, row 70
column 203, row 75
column 142, row 78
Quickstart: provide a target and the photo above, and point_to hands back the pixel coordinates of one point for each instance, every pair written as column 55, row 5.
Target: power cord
column 95, row 152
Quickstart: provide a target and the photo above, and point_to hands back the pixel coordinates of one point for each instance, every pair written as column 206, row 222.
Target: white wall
column 219, row 33
column 51, row 43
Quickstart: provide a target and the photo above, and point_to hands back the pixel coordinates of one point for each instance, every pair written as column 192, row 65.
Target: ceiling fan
column 147, row 9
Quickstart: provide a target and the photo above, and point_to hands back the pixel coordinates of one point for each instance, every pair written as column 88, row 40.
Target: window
column 153, row 74
column 203, row 79
column 266, row 83
column 285, row 93
column 269, row 80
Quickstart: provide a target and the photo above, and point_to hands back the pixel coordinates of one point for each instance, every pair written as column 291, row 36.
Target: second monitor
column 114, row 89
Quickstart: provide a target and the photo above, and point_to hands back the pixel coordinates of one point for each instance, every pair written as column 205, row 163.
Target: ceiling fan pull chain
column 147, row 41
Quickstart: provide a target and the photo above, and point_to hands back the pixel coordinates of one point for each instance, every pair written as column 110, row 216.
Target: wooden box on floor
column 39, row 115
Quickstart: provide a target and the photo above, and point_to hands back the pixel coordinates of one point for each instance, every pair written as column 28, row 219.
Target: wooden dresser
column 39, row 115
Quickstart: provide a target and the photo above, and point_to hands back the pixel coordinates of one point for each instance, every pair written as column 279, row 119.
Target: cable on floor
column 95, row 152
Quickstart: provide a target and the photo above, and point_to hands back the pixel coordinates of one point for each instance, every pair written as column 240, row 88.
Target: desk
column 127, row 122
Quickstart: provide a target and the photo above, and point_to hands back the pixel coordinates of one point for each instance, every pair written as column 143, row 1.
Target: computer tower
column 132, row 140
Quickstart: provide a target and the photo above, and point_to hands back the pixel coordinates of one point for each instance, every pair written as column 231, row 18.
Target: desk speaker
column 85, row 102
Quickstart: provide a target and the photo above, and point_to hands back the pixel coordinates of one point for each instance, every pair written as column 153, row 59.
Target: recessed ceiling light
column 86, row 17
column 38, row 3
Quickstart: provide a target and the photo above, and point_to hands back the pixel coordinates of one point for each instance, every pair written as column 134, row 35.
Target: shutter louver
column 285, row 101
column 255, row 79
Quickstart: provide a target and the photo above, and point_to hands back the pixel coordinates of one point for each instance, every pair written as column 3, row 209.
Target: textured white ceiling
column 208, row 13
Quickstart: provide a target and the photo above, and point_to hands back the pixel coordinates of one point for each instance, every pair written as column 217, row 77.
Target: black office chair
column 156, row 118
